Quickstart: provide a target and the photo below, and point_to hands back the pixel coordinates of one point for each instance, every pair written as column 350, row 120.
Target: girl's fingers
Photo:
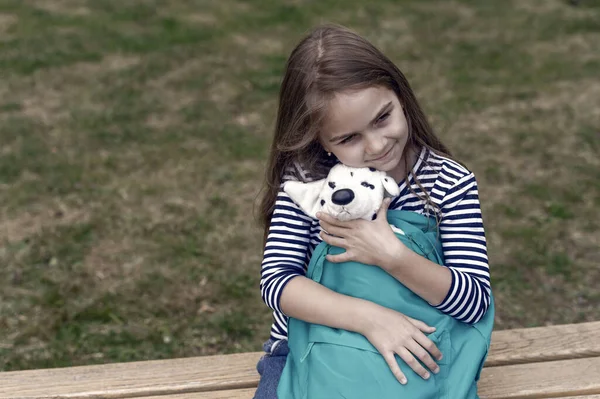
column 331, row 221
column 420, row 325
column 423, row 340
column 385, row 205
column 382, row 211
column 423, row 356
column 331, row 240
column 393, row 364
column 339, row 258
column 410, row 360
column 331, row 229
column 429, row 346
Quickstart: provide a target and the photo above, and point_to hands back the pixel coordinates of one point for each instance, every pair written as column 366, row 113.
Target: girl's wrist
column 366, row 312
column 394, row 257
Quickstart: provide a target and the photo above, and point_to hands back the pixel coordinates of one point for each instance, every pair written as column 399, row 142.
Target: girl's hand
column 369, row 242
column 392, row 333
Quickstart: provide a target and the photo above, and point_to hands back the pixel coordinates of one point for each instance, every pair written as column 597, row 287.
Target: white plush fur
column 368, row 187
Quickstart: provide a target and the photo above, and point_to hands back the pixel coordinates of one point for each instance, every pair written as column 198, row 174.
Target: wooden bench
column 542, row 362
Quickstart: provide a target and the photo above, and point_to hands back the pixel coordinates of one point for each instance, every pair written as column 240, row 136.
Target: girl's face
column 366, row 128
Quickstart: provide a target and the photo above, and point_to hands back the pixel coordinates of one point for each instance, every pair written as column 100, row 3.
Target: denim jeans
column 270, row 367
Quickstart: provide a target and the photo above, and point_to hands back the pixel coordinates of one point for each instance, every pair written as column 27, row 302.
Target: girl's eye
column 347, row 139
column 383, row 117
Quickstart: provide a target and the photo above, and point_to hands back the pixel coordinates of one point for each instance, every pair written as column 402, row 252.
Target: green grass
column 133, row 138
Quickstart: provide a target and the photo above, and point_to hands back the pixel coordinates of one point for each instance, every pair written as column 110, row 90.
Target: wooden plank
column 228, row 394
column 249, row 393
column 532, row 381
column 566, row 379
column 580, row 397
column 127, row 380
column 540, row 344
column 201, row 374
column 562, row 378
column 527, row 381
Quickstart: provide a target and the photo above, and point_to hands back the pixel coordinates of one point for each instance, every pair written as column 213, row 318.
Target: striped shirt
column 293, row 236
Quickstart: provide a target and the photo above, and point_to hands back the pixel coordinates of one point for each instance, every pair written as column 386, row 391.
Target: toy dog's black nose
column 342, row 197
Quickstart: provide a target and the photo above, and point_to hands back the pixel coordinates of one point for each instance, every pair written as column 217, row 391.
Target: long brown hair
column 331, row 59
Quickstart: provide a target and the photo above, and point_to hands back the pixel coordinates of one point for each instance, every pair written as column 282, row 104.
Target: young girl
column 342, row 100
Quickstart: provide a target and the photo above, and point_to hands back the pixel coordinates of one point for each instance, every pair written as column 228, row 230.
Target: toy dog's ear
column 389, row 186
column 306, row 195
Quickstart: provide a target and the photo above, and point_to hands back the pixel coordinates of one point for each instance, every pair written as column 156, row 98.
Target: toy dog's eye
column 322, row 202
column 331, row 184
column 367, row 185
column 372, row 169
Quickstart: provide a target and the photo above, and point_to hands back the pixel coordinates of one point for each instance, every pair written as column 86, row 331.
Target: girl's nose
column 375, row 146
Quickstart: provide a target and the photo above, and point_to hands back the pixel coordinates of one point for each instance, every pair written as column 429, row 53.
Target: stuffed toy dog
column 346, row 193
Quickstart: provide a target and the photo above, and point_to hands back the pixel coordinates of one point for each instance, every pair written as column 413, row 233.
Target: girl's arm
column 462, row 288
column 389, row 331
column 465, row 252
column 425, row 278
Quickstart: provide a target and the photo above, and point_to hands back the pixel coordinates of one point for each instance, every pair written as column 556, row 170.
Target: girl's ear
column 306, row 195
column 390, row 186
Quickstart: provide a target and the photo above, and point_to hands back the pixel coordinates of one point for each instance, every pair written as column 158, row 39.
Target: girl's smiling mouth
column 383, row 156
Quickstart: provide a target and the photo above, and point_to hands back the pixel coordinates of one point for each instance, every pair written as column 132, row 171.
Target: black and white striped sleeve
column 286, row 250
column 465, row 252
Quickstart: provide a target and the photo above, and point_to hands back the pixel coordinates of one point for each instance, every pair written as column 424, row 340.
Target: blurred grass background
column 133, row 137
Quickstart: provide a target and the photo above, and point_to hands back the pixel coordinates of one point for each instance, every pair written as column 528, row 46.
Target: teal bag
column 330, row 363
